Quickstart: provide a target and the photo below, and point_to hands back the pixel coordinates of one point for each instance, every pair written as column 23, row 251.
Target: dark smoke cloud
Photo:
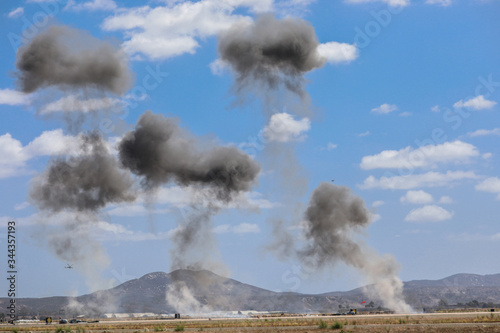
column 159, row 151
column 69, row 58
column 332, row 216
column 271, row 51
column 86, row 182
column 332, row 221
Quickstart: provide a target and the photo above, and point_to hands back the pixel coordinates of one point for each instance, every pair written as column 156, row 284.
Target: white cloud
column 483, row 132
column 405, row 114
column 476, row 103
column 336, row 52
column 73, row 103
column 429, row 213
column 425, row 156
column 393, row 3
column 106, row 5
column 283, row 127
column 22, row 206
column 19, row 11
column 13, row 97
column 242, row 228
column 385, row 108
column 436, row 108
column 14, row 156
column 378, row 203
column 175, row 29
column 218, row 66
column 486, row 155
column 491, row 185
column 429, row 179
column 331, row 146
column 364, row 134
column 443, row 3
column 417, row 197
column 445, row 200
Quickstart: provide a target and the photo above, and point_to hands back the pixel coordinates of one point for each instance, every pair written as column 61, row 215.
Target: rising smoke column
column 332, row 220
column 74, row 189
column 159, row 152
column 271, row 52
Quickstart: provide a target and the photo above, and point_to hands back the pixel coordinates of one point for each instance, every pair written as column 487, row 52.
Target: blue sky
column 404, row 112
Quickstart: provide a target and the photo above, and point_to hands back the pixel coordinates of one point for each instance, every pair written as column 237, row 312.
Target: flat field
column 448, row 322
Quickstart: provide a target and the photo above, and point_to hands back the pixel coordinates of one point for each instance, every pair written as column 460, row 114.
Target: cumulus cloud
column 336, row 52
column 429, row 213
column 283, row 127
column 393, row 3
column 378, row 203
column 491, row 185
column 477, row 103
column 13, row 97
column 167, row 31
column 425, row 156
column 429, row 179
column 385, row 108
column 14, row 156
column 417, row 197
column 484, row 132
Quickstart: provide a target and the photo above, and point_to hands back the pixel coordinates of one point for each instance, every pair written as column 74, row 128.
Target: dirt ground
column 450, row 322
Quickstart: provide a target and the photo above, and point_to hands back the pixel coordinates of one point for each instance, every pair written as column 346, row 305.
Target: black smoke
column 69, row 58
column 271, row 51
column 331, row 227
column 160, row 151
column 85, row 182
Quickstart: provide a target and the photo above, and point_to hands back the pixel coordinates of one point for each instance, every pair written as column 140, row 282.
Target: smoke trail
column 69, row 58
column 160, row 152
column 332, row 220
column 76, row 188
column 270, row 51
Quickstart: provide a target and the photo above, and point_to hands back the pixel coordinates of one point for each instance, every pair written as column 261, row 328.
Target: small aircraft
column 69, row 266
column 333, row 180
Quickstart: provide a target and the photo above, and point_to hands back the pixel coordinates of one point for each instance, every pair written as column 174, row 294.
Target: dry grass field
column 448, row 322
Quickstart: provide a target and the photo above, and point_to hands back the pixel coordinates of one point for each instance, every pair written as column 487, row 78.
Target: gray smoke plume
column 160, row 152
column 69, row 58
column 73, row 190
column 333, row 219
column 270, row 51
column 194, row 242
column 86, row 182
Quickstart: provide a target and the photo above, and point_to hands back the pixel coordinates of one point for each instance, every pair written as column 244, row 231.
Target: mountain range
column 187, row 291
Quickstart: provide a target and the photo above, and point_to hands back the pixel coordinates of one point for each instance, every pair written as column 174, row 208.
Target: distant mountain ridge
column 192, row 291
